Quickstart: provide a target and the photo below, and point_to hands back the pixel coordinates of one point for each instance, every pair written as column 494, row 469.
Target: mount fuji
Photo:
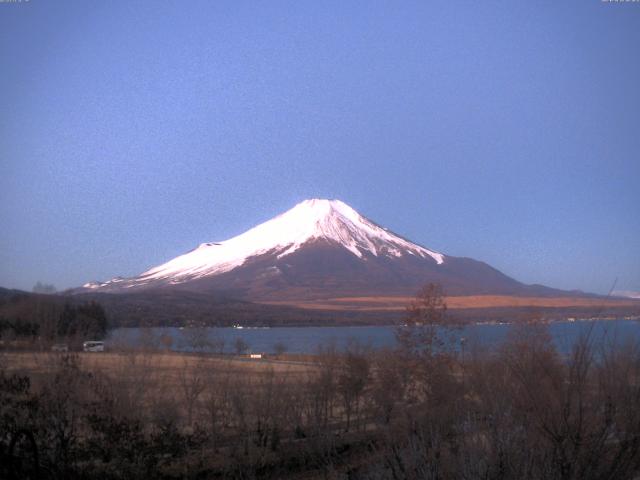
column 318, row 249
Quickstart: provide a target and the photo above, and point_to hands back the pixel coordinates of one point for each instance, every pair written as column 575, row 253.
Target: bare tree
column 216, row 401
column 322, row 387
column 193, row 375
column 217, row 343
column 166, row 341
column 148, row 339
column 197, row 339
column 352, row 380
column 240, row 346
column 390, row 379
column 280, row 348
column 418, row 334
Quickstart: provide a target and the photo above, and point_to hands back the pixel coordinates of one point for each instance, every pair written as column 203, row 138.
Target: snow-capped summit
column 315, row 219
column 317, row 248
column 311, row 220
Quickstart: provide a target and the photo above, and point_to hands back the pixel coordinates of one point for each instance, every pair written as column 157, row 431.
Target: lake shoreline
column 309, row 339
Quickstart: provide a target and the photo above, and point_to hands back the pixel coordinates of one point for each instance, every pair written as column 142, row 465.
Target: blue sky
column 508, row 132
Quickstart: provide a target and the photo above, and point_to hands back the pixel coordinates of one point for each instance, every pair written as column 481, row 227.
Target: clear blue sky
column 508, row 132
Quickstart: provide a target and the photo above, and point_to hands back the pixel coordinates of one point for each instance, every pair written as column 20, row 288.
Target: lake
column 309, row 339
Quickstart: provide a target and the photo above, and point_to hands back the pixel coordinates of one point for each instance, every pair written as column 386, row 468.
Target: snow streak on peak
column 315, row 219
column 626, row 294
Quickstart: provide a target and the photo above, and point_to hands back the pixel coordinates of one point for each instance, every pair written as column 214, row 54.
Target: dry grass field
column 163, row 371
column 399, row 303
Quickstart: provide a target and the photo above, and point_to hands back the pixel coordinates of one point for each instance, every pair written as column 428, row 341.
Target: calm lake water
column 309, row 339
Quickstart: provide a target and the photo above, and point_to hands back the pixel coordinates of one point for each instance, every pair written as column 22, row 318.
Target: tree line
column 49, row 319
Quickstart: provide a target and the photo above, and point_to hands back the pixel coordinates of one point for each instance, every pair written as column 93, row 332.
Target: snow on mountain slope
column 626, row 294
column 310, row 220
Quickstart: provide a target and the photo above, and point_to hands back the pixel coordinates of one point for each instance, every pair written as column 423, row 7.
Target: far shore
column 399, row 303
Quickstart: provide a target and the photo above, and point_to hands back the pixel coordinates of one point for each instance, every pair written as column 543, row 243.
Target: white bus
column 93, row 346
